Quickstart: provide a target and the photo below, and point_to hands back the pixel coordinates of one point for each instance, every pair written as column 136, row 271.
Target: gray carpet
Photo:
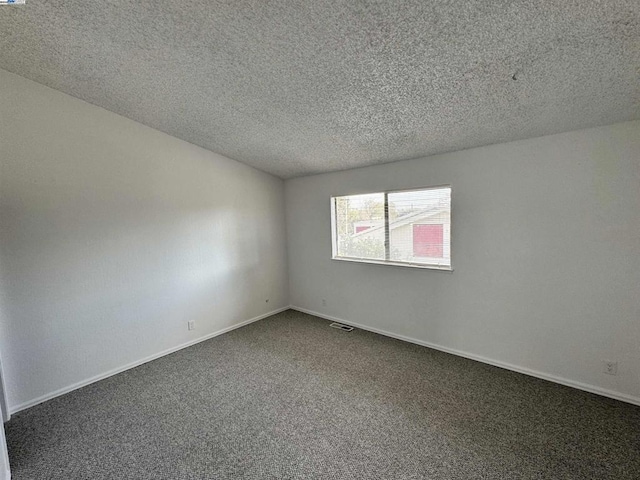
column 289, row 397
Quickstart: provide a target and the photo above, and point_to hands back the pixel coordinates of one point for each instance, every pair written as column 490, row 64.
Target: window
column 405, row 227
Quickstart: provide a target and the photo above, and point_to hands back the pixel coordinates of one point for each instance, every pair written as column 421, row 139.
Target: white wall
column 545, row 251
column 4, row 413
column 4, row 458
column 114, row 235
column 4, row 401
column 4, row 454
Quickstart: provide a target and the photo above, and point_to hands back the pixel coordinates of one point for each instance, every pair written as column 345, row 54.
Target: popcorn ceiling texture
column 301, row 87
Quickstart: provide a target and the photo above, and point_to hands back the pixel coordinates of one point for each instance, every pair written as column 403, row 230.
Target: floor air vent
column 346, row 328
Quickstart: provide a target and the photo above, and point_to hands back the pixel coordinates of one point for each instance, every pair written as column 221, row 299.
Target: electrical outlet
column 610, row 368
column 324, row 302
column 192, row 325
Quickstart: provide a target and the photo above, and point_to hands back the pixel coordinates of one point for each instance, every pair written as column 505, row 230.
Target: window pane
column 420, row 226
column 359, row 226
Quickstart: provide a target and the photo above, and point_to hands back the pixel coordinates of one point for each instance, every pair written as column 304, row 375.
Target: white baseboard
column 115, row 371
column 7, row 475
column 534, row 373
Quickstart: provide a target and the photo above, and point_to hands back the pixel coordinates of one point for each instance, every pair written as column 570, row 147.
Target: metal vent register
column 346, row 328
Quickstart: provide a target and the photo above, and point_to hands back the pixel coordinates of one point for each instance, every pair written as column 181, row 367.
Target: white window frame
column 429, row 266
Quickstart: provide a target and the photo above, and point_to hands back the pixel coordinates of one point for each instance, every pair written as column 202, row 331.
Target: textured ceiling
column 307, row 86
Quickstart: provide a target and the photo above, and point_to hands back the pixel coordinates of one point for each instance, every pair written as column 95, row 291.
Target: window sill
column 442, row 268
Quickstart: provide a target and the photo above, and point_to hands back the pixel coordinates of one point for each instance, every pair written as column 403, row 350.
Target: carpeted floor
column 289, row 397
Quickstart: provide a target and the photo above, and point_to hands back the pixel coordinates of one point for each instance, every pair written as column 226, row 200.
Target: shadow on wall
column 94, row 286
column 4, row 402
